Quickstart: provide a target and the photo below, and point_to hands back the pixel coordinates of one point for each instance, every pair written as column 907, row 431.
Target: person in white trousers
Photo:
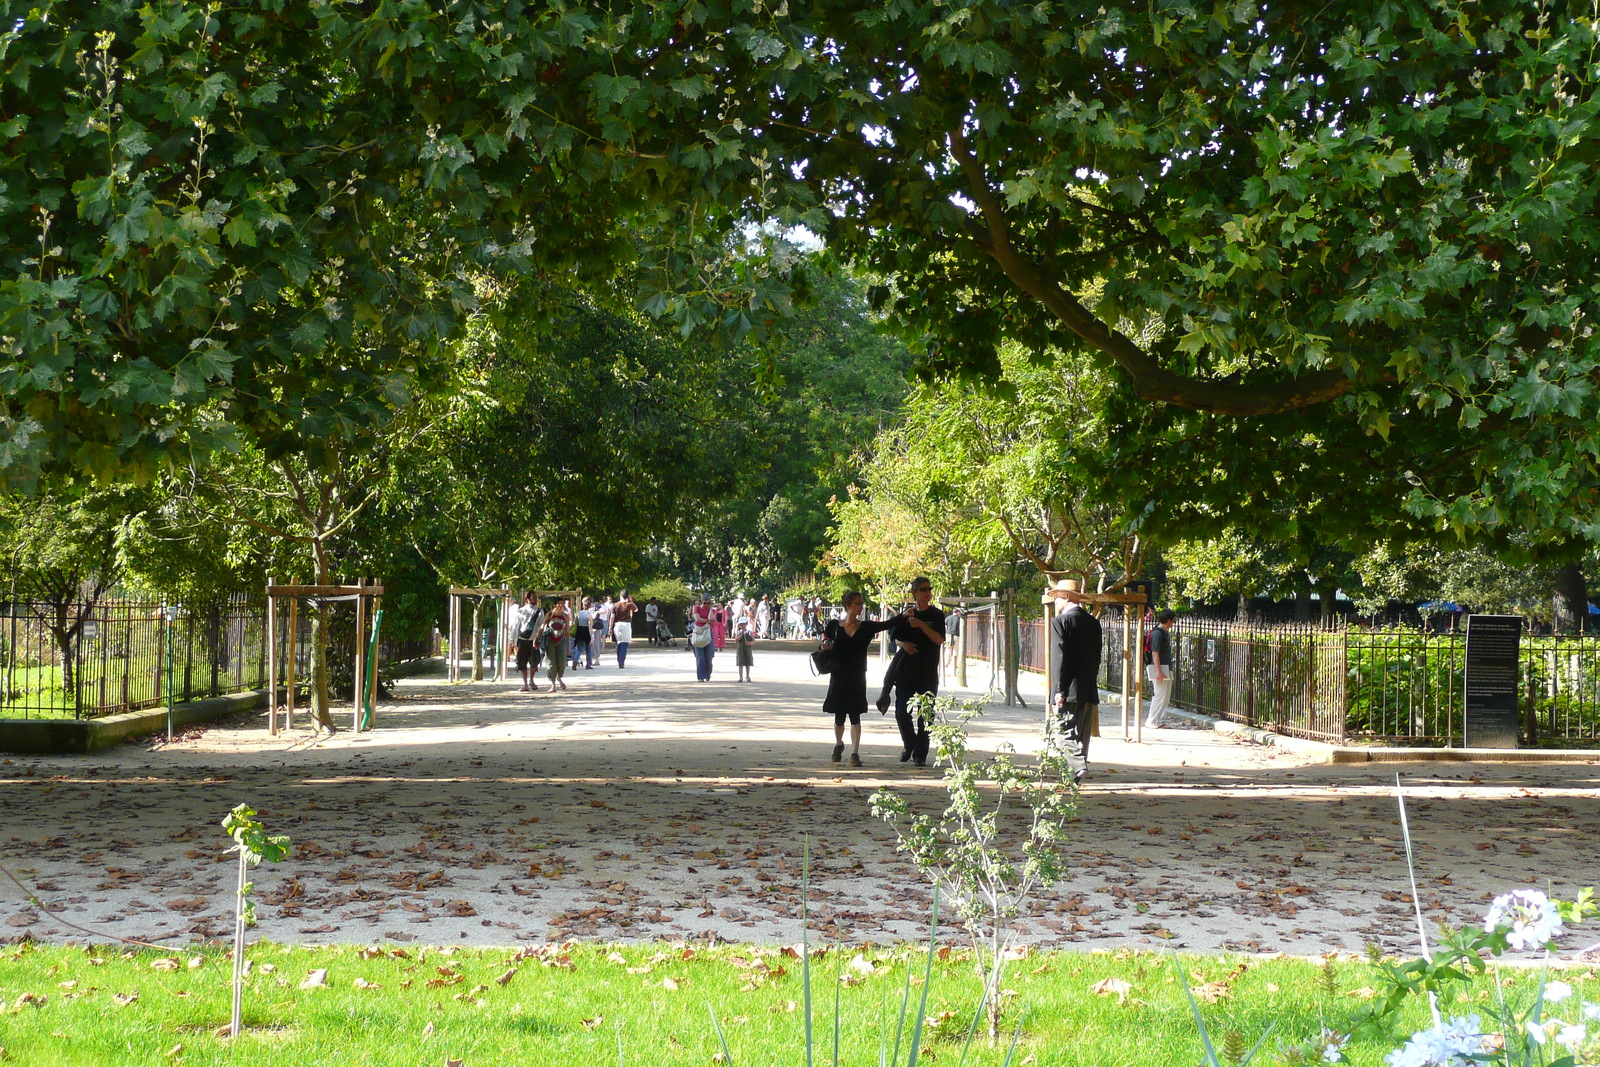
column 1159, row 669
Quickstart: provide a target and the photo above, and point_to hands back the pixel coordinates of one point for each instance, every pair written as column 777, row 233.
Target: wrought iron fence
column 1406, row 685
column 83, row 661
column 1395, row 685
column 1030, row 640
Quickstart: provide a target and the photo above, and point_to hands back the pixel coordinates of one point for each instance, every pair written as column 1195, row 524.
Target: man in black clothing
column 919, row 633
column 1075, row 670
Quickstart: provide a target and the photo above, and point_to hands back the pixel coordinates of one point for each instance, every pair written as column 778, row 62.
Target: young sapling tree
column 998, row 842
column 253, row 844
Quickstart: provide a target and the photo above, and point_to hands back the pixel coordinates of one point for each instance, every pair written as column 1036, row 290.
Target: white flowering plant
column 1522, row 920
column 1530, row 1036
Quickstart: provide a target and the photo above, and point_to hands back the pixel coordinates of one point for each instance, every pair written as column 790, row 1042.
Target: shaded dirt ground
column 641, row 804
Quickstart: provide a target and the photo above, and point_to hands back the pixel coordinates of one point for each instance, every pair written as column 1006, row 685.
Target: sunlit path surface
column 641, row 804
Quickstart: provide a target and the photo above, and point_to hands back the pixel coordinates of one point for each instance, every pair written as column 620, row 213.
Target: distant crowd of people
column 560, row 635
column 554, row 634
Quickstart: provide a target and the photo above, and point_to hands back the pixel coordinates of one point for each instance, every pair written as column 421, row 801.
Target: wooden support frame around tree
column 367, row 599
column 999, row 662
column 503, row 643
column 456, row 595
column 1132, row 676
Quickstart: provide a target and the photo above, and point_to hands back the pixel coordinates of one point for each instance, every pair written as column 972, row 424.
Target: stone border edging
column 68, row 737
column 1327, row 753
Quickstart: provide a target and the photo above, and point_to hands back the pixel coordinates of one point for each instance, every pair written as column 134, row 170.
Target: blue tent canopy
column 1442, row 605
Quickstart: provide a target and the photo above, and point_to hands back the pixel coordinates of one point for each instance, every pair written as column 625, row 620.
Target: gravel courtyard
column 642, row 805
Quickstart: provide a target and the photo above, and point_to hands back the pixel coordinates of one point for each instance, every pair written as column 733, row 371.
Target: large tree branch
column 1045, row 565
column 1151, row 380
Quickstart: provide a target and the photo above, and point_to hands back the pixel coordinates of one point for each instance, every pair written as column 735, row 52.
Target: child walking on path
column 744, row 654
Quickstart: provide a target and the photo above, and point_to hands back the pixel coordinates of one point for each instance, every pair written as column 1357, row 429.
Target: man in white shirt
column 525, row 620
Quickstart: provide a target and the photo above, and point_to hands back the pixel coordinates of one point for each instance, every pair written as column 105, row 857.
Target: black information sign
column 1491, row 681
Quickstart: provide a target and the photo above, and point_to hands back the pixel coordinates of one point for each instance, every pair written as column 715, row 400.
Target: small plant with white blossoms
column 1530, row 1036
column 1326, row 1047
column 1523, row 920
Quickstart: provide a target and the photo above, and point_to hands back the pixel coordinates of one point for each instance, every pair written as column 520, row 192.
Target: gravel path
column 641, row 805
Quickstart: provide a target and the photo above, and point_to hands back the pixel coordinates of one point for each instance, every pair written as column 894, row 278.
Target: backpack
column 530, row 624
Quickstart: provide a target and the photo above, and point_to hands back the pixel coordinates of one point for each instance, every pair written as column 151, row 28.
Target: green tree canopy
column 1380, row 215
column 1373, row 214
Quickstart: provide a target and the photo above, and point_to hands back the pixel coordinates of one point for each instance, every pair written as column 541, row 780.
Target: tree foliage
column 1340, row 248
column 1375, row 215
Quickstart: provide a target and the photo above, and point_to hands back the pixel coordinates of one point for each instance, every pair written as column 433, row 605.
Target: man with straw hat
column 1075, row 666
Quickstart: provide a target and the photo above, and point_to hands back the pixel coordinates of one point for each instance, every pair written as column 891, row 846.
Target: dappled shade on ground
column 641, row 805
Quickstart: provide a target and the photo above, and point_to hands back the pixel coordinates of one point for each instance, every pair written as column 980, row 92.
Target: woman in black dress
column 851, row 640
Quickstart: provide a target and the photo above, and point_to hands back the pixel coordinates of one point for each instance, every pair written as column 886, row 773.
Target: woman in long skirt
column 850, row 638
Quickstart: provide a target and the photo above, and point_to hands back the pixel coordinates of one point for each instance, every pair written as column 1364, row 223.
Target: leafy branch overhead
column 1381, row 218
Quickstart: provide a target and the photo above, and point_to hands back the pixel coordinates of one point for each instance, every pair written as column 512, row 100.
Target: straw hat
column 1070, row 588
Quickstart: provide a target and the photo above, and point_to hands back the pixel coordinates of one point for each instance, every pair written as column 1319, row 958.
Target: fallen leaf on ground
column 318, row 977
column 1112, row 987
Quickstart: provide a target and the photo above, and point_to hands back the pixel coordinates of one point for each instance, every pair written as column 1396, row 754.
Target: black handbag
column 822, row 661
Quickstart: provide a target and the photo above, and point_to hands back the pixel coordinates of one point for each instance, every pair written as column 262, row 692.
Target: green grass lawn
column 409, row 1006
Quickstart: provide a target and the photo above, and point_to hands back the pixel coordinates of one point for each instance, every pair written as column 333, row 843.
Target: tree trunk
column 1242, row 612
column 1328, row 593
column 65, row 638
column 1570, row 603
column 477, row 640
column 321, row 701
column 69, row 673
column 1302, row 603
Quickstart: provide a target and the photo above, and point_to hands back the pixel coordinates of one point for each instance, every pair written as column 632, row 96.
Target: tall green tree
column 1373, row 219
column 1021, row 473
column 835, row 379
column 1360, row 216
column 64, row 550
column 272, row 210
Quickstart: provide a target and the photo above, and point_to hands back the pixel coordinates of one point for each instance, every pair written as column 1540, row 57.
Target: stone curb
column 1326, row 753
column 61, row 737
